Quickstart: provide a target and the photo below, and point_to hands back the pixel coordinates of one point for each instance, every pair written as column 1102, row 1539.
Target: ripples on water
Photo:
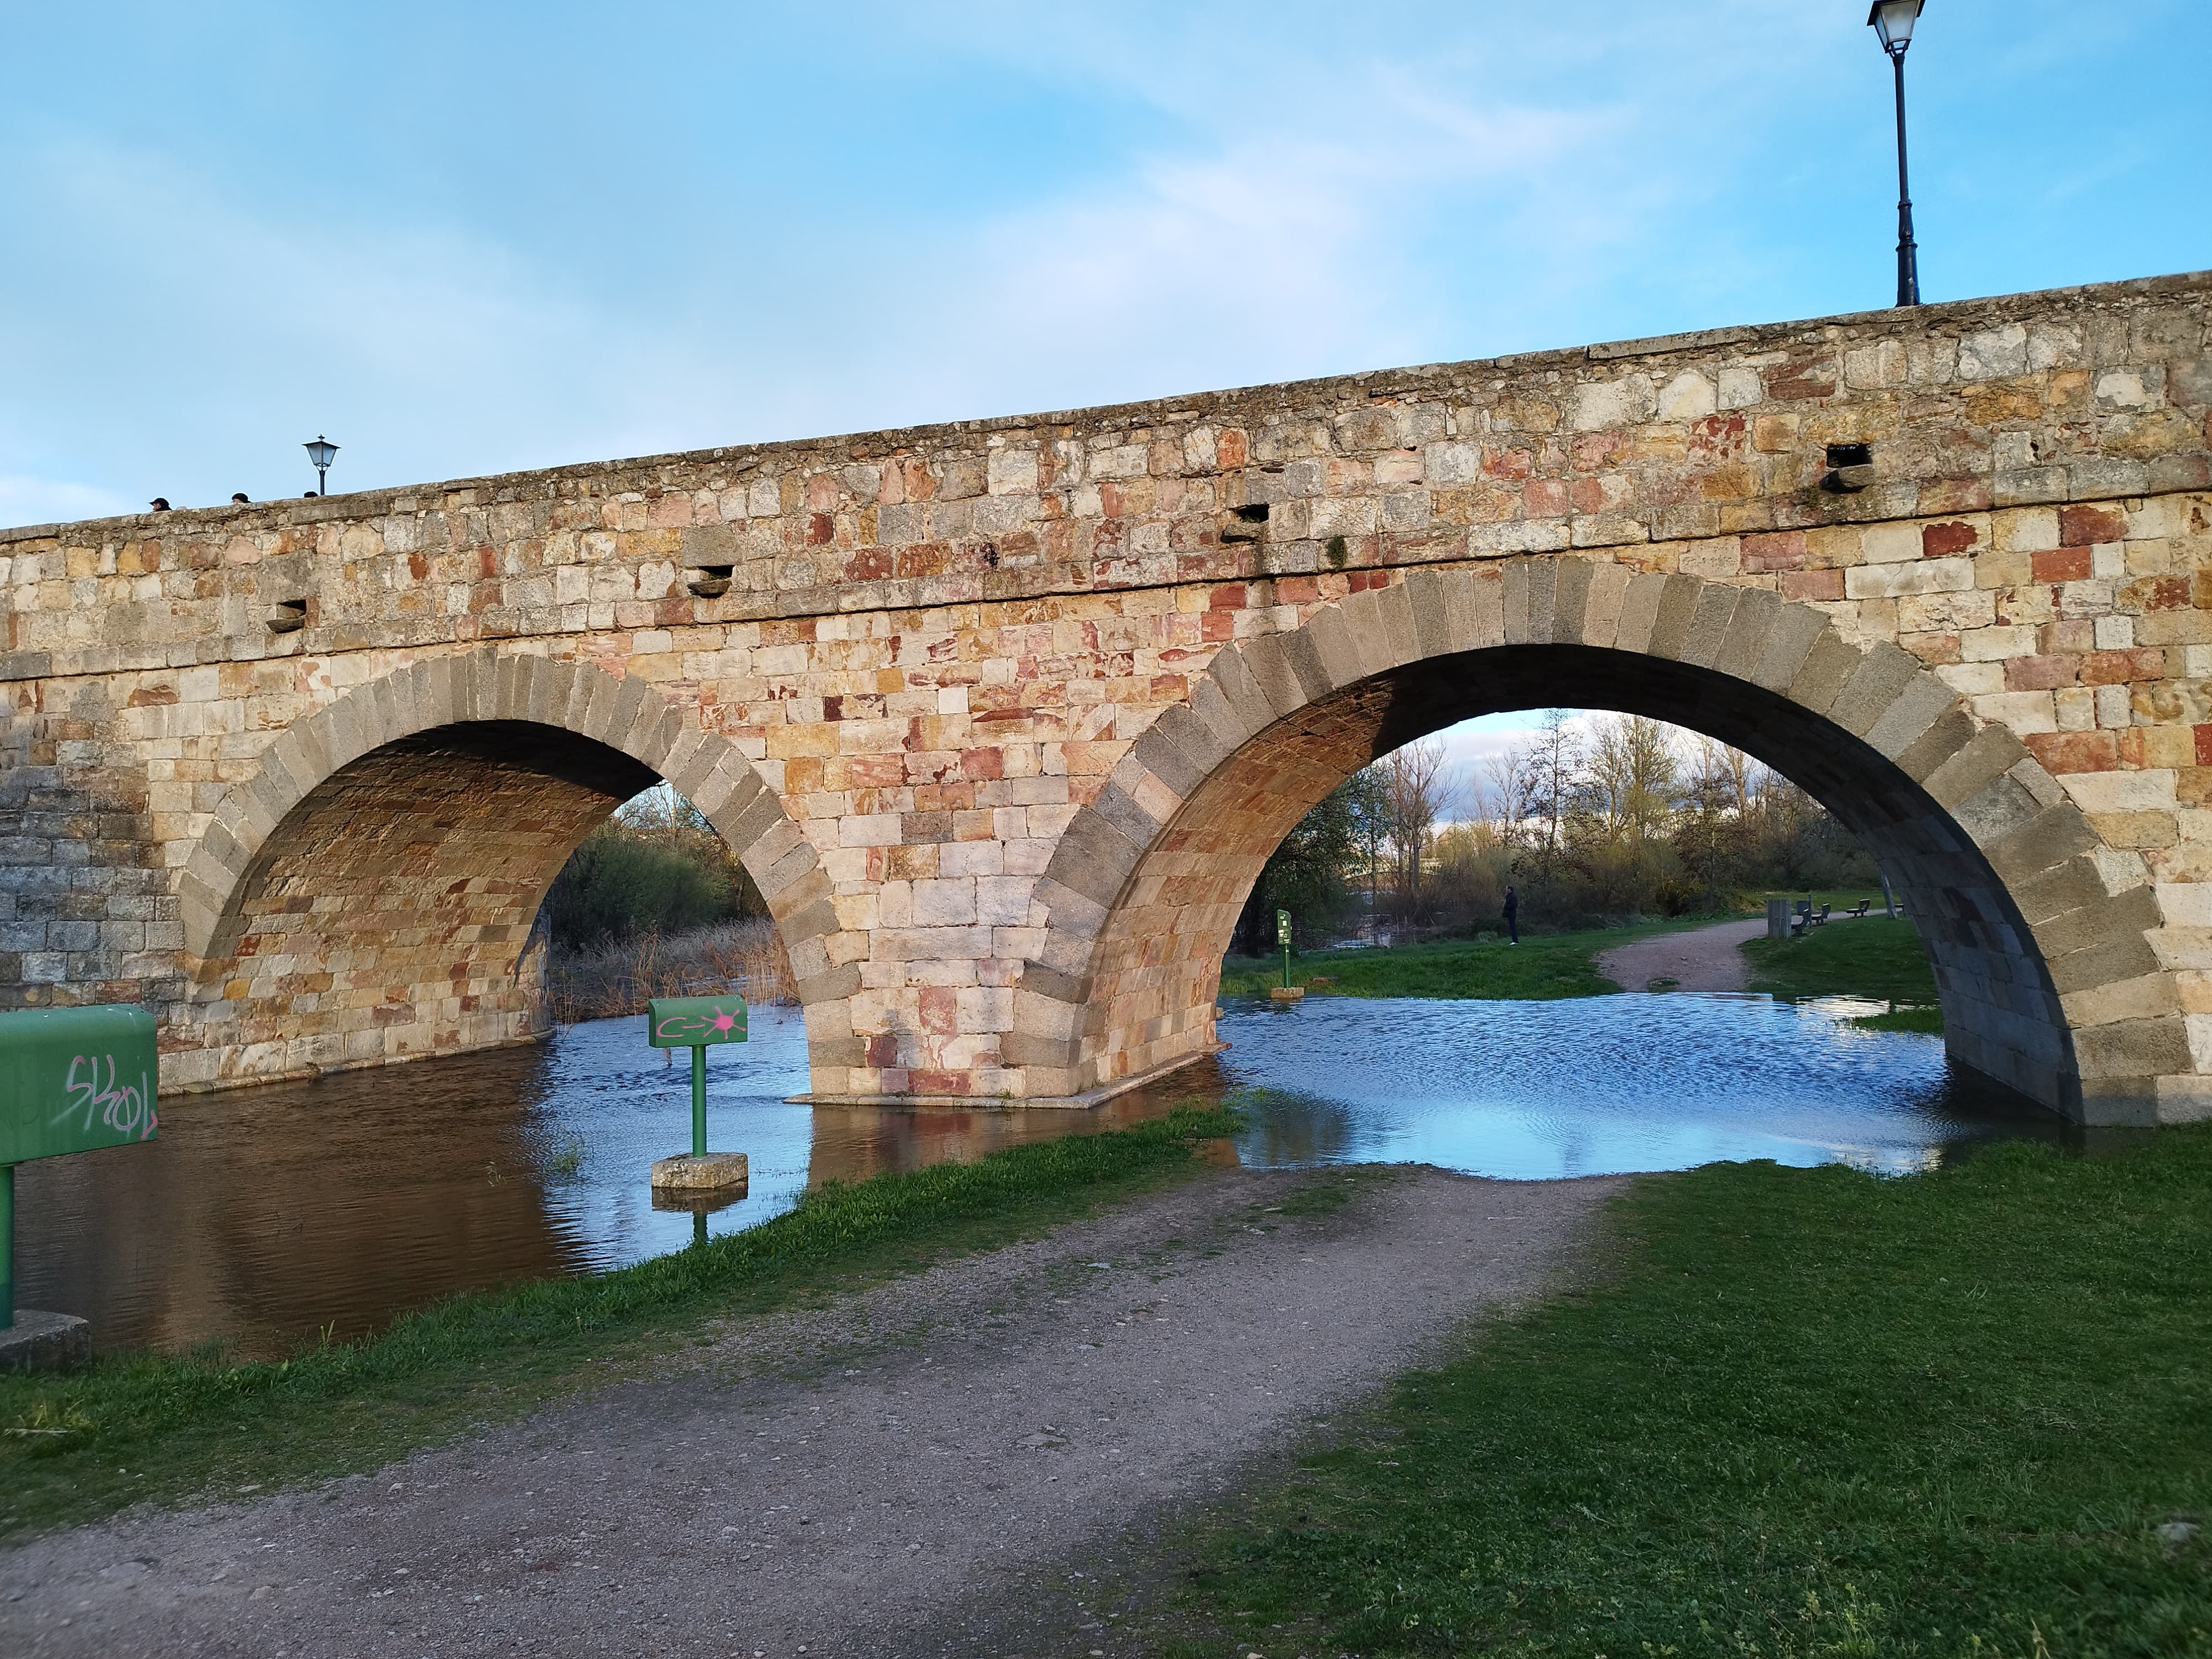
column 261, row 1216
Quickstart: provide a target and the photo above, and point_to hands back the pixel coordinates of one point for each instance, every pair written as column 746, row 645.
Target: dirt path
column 1699, row 959
column 920, row 1469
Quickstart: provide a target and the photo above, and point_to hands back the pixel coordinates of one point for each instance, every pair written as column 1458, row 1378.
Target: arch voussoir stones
column 322, row 778
column 2013, row 887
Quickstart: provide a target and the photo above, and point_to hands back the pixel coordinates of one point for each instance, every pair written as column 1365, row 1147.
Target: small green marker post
column 1282, row 937
column 698, row 1100
column 704, row 1180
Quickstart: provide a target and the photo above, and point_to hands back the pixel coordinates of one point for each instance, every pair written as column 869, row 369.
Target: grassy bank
column 1814, row 1412
column 84, row 1443
column 1875, row 957
column 1543, row 966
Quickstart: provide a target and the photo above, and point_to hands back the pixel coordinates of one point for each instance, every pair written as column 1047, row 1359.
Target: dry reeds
column 607, row 981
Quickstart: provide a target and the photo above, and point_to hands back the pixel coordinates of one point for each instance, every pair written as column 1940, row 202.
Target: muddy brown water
column 262, row 1217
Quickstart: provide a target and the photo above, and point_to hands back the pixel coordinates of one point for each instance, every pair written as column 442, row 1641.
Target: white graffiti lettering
column 127, row 1110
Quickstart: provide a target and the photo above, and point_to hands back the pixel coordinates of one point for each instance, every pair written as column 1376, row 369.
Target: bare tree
column 1632, row 769
column 1417, row 791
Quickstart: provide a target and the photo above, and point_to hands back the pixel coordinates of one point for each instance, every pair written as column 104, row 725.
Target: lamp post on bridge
column 1893, row 20
column 320, row 454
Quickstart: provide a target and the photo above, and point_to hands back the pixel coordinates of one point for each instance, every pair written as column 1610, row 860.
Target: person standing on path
column 1513, row 915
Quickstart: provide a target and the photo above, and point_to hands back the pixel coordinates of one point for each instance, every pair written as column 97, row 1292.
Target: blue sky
column 462, row 240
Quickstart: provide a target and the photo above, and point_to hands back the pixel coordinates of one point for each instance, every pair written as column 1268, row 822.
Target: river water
column 262, row 1216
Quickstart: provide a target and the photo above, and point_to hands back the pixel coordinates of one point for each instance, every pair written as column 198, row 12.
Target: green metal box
column 692, row 1022
column 72, row 1080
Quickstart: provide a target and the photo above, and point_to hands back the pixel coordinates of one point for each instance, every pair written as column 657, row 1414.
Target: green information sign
column 694, row 1022
column 689, row 1022
column 71, row 1080
column 75, row 1079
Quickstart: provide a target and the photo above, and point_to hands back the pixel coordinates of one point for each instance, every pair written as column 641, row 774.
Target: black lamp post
column 1892, row 20
column 320, row 454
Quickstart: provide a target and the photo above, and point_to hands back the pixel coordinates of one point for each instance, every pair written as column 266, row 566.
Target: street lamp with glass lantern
column 1893, row 20
column 320, row 454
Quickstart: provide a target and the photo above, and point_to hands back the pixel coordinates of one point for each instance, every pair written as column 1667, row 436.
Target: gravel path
column 1699, row 959
column 922, row 1468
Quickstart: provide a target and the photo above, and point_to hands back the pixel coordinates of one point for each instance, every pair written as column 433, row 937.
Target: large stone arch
column 426, row 811
column 2038, row 929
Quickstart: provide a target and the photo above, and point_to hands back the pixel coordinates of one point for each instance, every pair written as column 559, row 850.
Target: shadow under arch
column 2025, row 912
column 369, row 893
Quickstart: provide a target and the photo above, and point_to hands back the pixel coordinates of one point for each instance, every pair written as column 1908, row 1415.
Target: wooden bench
column 1806, row 917
column 1858, row 909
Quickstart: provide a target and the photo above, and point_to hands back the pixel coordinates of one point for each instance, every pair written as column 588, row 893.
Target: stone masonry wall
column 937, row 649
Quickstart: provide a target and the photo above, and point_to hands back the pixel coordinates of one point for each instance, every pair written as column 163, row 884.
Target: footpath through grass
column 1813, row 1413
column 83, row 1443
column 1542, row 967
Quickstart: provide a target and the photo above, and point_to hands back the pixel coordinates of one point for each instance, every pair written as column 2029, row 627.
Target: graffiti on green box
column 124, row 1107
column 73, row 1080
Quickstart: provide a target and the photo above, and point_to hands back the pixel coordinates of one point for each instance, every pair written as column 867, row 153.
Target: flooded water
column 261, row 1217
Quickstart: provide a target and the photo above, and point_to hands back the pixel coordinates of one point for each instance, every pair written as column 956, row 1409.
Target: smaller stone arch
column 599, row 735
column 2038, row 929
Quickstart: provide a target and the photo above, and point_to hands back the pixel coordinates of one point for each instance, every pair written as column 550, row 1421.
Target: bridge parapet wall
column 936, row 646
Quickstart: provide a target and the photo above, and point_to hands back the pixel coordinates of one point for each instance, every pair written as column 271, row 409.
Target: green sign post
column 1283, row 939
column 71, row 1080
column 697, row 1023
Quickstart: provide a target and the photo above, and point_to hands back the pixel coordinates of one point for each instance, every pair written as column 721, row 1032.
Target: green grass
column 1810, row 1412
column 1921, row 1021
column 1875, row 957
column 83, row 1443
column 1543, row 966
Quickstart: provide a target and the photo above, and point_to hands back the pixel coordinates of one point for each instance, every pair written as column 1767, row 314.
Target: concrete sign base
column 43, row 1341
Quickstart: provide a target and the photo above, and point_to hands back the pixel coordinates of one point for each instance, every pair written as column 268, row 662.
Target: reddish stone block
column 938, row 1010
column 1232, row 448
column 821, row 529
column 2064, row 564
column 1782, row 549
column 929, row 1082
column 2165, row 592
column 1939, row 541
column 2122, row 667
column 883, row 1049
column 2131, row 747
column 1813, row 585
column 1718, row 437
column 1234, row 596
column 1799, row 382
column 2074, row 751
column 2084, row 526
column 982, row 765
column 2203, row 735
column 2039, row 673
column 1933, row 649
column 1544, row 498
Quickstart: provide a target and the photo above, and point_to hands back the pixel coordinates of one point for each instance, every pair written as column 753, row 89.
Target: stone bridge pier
column 1004, row 716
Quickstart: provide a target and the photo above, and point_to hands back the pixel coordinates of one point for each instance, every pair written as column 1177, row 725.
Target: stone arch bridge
column 1003, row 716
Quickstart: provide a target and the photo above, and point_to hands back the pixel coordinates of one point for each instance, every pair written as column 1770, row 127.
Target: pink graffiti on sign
column 128, row 1109
column 702, row 1026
